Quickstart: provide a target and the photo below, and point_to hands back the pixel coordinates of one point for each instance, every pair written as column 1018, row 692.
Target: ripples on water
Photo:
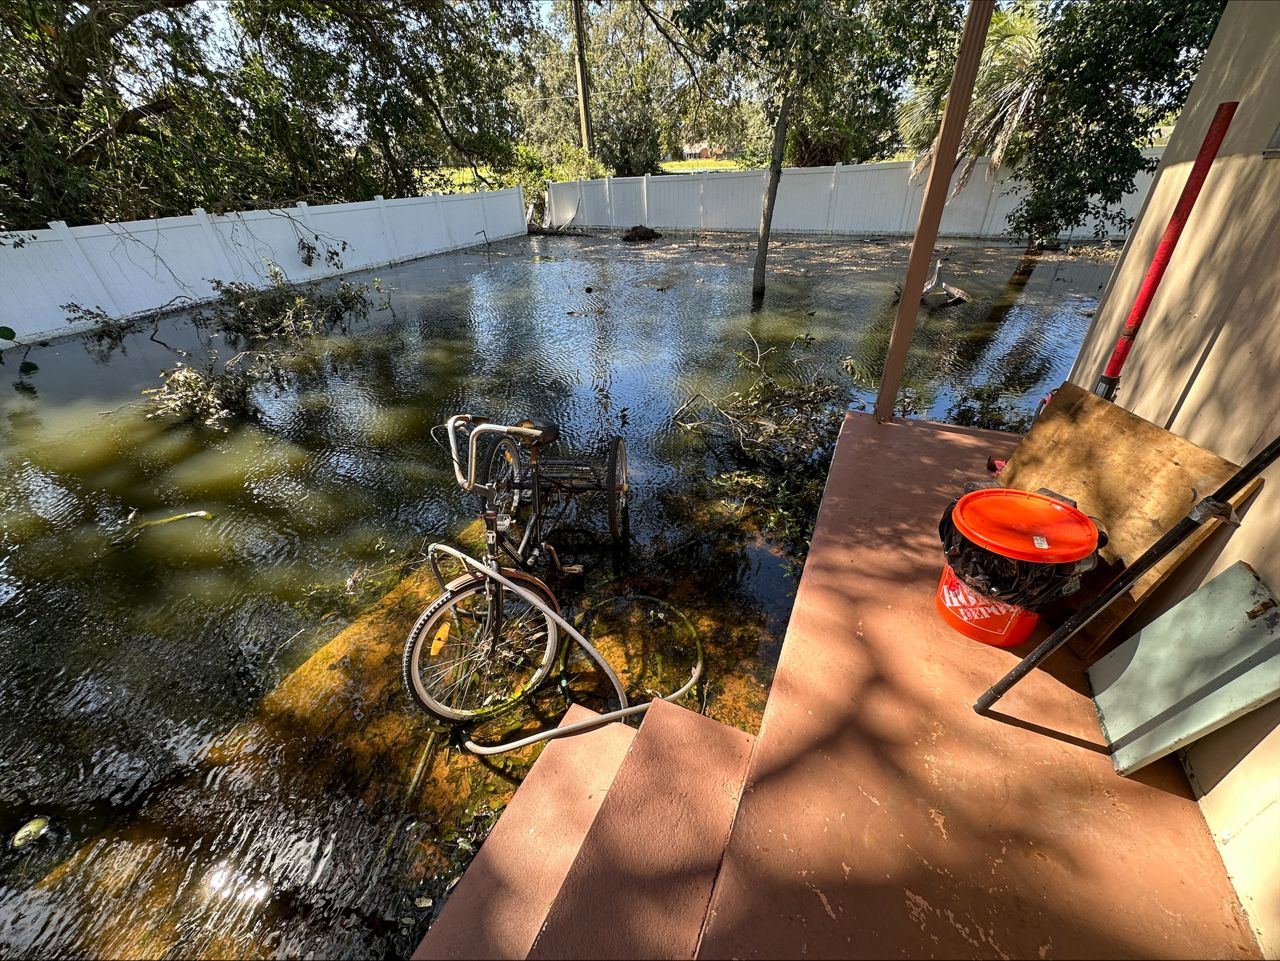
column 191, row 816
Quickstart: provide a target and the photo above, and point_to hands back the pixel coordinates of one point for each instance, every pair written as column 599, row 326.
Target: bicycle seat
column 547, row 432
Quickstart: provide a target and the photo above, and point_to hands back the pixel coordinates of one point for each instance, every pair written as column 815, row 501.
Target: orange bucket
column 1025, row 527
column 982, row 618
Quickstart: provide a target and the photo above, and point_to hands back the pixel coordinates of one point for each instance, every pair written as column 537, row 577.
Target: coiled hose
column 625, row 709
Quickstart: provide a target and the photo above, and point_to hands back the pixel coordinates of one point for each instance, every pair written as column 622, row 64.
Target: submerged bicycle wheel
column 460, row 666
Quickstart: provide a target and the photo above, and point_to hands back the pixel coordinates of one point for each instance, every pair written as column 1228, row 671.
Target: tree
column 138, row 108
column 867, row 48
column 1007, row 86
column 1111, row 73
column 1068, row 93
column 651, row 95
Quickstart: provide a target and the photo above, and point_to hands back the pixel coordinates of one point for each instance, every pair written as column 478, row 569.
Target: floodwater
column 215, row 733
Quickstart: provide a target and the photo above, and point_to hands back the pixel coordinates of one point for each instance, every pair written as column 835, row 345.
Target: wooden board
column 1208, row 660
column 1138, row 479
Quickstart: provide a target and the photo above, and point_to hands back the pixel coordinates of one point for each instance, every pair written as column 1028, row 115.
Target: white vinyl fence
column 133, row 268
column 881, row 198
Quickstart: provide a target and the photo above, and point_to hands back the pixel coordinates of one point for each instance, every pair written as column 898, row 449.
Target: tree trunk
column 780, row 127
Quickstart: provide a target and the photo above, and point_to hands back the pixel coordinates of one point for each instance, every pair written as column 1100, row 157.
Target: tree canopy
column 1069, row 92
column 122, row 109
column 126, row 109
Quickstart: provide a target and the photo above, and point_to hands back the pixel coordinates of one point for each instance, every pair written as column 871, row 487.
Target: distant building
column 703, row 151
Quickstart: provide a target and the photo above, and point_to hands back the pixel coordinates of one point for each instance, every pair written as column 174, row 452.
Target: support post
column 935, row 197
column 646, row 200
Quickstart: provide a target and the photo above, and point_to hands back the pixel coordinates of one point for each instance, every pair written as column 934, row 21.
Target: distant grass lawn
column 690, row 166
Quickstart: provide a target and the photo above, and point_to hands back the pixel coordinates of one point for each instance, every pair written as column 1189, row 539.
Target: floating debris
column 640, row 233
column 33, row 830
column 189, row 515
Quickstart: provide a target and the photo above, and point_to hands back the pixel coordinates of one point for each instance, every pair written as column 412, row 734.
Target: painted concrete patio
column 883, row 818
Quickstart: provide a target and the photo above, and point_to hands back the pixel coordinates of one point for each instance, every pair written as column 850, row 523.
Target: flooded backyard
column 208, row 711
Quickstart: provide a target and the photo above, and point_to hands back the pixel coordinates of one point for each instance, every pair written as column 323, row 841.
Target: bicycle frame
column 494, row 539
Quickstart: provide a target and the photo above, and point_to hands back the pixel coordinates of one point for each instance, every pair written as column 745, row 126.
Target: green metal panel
column 1205, row 662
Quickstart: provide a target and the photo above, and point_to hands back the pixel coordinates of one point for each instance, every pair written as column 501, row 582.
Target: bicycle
column 493, row 634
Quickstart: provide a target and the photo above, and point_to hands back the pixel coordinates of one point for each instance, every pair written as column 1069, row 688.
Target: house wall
column 1206, row 365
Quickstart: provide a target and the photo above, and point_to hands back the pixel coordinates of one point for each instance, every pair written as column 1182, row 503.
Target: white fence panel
column 859, row 199
column 562, row 203
column 42, row 275
column 626, row 194
column 731, row 201
column 125, row 269
column 673, row 202
column 870, row 199
column 804, row 196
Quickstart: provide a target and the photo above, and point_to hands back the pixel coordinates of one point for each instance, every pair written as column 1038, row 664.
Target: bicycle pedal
column 571, row 569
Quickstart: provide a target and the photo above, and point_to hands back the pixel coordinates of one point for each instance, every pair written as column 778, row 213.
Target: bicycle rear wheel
column 461, row 666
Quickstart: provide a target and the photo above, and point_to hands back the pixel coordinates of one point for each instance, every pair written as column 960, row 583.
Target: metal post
column 1110, row 379
column 935, row 197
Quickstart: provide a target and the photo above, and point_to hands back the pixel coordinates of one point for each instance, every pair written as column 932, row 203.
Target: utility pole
column 584, row 81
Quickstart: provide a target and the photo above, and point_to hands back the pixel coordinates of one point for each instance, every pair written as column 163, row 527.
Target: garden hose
column 625, row 709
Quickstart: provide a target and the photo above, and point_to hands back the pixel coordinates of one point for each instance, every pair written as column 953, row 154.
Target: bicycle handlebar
column 479, row 425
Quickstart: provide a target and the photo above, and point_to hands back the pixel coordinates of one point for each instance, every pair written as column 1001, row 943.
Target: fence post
column 212, row 242
column 904, row 214
column 992, row 189
column 444, row 219
column 484, row 215
column 702, row 182
column 608, row 197
column 645, row 200
column 105, row 300
column 388, row 238
column 581, row 202
column 548, row 215
column 304, row 214
column 831, row 196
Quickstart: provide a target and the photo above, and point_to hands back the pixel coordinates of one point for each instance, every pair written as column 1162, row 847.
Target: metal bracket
column 1210, row 509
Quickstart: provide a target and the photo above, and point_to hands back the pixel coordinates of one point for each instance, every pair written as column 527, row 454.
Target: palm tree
column 1007, row 86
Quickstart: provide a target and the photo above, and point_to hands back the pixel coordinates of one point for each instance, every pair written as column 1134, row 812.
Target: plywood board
column 1208, row 660
column 1138, row 479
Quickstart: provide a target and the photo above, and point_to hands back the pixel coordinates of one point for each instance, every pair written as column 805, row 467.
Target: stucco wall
column 1207, row 366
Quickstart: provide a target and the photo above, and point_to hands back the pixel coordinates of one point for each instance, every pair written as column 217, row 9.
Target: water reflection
column 222, row 749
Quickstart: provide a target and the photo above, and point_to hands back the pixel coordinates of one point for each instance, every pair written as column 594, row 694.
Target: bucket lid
column 1025, row 526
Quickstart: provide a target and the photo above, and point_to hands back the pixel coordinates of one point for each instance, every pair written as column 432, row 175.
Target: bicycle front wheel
column 479, row 648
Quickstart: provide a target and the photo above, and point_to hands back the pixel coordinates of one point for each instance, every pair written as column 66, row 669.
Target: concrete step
column 642, row 880
column 499, row 905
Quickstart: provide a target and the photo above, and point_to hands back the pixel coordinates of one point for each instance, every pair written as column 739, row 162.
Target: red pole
column 1110, row 378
